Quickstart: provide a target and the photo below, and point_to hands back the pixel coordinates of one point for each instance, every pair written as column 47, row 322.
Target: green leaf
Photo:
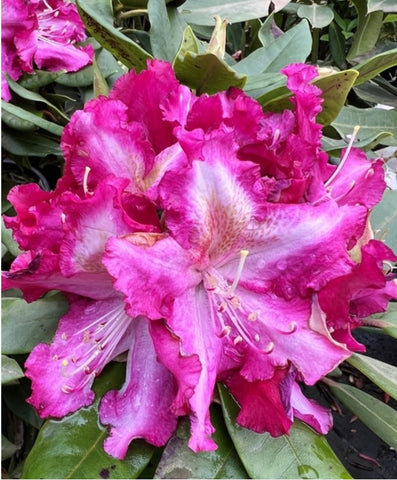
column 372, row 121
column 29, row 144
column 7, row 448
column 292, row 46
column 33, row 96
column 206, row 73
column 31, row 117
column 380, row 373
column 16, row 122
column 384, row 219
column 384, row 5
column 10, row 370
column 266, row 87
column 337, row 44
column 101, row 28
column 178, row 461
column 318, row 15
column 302, row 454
column 368, row 30
column 375, row 65
column 73, row 447
column 203, row 12
column 39, row 79
column 333, row 146
column 8, row 241
column 376, row 415
column 24, row 325
column 386, row 321
column 100, row 85
column 160, row 17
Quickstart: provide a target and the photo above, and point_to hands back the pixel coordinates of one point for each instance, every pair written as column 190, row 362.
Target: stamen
column 238, row 340
column 253, row 316
column 225, row 332
column 243, row 256
column 269, row 347
column 64, row 336
column 347, row 152
column 63, row 218
column 85, row 180
column 257, row 337
column 66, row 389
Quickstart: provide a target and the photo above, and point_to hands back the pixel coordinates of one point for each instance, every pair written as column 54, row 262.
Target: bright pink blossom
column 211, row 241
column 41, row 33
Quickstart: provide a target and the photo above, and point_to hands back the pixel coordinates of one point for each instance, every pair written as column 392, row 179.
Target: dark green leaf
column 386, row 321
column 376, row 415
column 337, row 44
column 9, row 242
column 24, row 115
column 28, row 144
column 178, row 461
column 101, row 28
column 292, row 46
column 319, row 16
column 10, row 370
column 375, row 65
column 372, row 121
column 39, row 79
column 7, row 448
column 24, row 325
column 302, row 454
column 381, row 373
column 333, row 146
column 73, row 447
column 165, row 38
column 16, row 122
column 14, row 397
column 206, row 73
column 368, row 30
column 384, row 219
column 100, row 85
column 203, row 12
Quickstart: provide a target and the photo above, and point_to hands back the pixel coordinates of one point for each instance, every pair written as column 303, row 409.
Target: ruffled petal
column 35, row 273
column 151, row 270
column 88, row 336
column 141, row 409
column 310, row 412
column 118, row 147
column 262, row 408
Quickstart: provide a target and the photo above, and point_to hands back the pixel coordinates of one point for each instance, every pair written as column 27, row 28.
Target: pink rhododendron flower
column 41, row 33
column 213, row 243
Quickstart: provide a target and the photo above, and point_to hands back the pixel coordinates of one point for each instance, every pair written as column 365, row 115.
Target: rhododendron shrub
column 210, row 241
column 42, row 34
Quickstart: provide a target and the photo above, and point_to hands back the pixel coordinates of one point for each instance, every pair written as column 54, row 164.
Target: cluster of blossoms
column 41, row 33
column 210, row 240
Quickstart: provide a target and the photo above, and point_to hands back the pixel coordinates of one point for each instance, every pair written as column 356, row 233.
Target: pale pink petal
column 310, row 412
column 142, row 408
column 62, row 373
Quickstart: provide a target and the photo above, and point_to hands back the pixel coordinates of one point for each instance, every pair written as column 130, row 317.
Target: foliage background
column 355, row 44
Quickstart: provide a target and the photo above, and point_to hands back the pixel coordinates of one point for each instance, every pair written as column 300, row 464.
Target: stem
column 315, row 46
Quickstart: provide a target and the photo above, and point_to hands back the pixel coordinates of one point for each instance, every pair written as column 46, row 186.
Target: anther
column 86, row 337
column 370, row 172
column 243, row 256
column 63, row 218
column 55, row 358
column 225, row 332
column 253, row 316
column 257, row 337
column 85, row 180
column 64, row 336
column 238, row 340
column 222, row 307
column 66, row 389
column 292, row 327
column 269, row 347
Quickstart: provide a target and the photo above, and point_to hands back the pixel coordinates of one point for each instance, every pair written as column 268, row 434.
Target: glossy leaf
column 160, row 17
column 99, row 25
column 24, row 325
column 337, row 44
column 381, row 373
column 384, row 5
column 10, row 370
column 333, row 146
column 319, row 16
column 203, row 12
column 14, row 397
column 292, row 46
column 25, row 143
column 39, row 79
column 375, row 65
column 8, row 241
column 384, row 219
column 24, row 115
column 7, row 448
column 33, row 96
column 386, row 321
column 16, row 122
column 178, row 461
column 375, row 414
column 206, row 73
column 372, row 121
column 302, row 454
column 368, row 30
column 73, row 447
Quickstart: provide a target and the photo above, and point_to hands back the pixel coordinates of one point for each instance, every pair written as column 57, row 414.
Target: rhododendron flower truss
column 41, row 33
column 210, row 240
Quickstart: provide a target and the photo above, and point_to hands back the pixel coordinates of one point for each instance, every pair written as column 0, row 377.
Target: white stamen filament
column 345, row 156
column 243, row 256
column 85, row 180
